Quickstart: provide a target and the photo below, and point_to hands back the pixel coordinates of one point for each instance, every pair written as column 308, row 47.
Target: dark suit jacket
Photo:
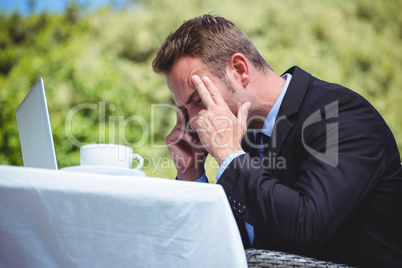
column 331, row 184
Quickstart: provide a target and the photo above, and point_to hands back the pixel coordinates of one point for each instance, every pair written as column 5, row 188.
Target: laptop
column 34, row 129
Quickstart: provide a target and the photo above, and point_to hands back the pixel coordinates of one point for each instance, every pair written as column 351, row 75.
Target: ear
column 239, row 68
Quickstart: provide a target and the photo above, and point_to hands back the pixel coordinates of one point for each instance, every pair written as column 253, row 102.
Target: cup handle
column 140, row 160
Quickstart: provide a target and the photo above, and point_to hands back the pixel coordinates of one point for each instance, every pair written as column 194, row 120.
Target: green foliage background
column 103, row 59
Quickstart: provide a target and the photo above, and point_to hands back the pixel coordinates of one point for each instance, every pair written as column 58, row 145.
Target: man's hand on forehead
column 208, row 92
column 219, row 130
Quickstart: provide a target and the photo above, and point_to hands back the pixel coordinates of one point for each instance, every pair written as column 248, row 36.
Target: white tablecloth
column 51, row 218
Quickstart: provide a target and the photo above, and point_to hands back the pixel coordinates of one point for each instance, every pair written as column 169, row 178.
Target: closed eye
column 197, row 101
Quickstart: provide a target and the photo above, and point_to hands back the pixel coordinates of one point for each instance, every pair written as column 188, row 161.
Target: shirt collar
column 271, row 118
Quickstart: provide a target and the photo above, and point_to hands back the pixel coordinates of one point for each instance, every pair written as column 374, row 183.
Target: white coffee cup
column 111, row 155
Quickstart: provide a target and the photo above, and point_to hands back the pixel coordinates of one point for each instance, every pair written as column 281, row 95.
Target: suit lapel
column 290, row 106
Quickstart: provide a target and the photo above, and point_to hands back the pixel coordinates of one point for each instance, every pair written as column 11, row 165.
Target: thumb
column 242, row 115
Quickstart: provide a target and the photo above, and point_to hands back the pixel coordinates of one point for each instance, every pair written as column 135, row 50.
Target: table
column 55, row 218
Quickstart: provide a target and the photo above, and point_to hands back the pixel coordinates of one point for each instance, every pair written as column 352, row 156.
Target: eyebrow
column 189, row 100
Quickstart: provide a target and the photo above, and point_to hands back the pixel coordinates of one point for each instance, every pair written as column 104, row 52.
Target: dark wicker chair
column 267, row 258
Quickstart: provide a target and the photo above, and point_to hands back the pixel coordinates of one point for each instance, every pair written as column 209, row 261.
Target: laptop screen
column 34, row 129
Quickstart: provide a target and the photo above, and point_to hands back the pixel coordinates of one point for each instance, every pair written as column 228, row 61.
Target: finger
column 213, row 90
column 203, row 121
column 174, row 136
column 179, row 134
column 202, row 91
column 242, row 115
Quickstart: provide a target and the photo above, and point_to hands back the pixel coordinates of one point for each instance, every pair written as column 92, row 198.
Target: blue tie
column 260, row 138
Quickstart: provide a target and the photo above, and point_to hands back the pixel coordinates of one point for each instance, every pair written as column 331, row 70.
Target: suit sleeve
column 304, row 216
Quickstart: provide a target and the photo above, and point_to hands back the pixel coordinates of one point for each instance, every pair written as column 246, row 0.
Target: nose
column 192, row 122
column 193, row 116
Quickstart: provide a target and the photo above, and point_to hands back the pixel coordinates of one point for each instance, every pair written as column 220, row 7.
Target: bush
column 102, row 61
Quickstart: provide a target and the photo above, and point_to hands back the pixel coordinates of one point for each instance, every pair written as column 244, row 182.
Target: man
column 309, row 167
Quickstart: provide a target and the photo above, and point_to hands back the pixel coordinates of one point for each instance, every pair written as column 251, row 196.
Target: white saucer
column 106, row 170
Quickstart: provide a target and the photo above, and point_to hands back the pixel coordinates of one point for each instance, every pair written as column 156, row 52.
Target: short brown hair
column 213, row 40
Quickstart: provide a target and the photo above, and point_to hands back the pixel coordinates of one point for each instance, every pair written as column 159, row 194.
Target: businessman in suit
column 309, row 167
